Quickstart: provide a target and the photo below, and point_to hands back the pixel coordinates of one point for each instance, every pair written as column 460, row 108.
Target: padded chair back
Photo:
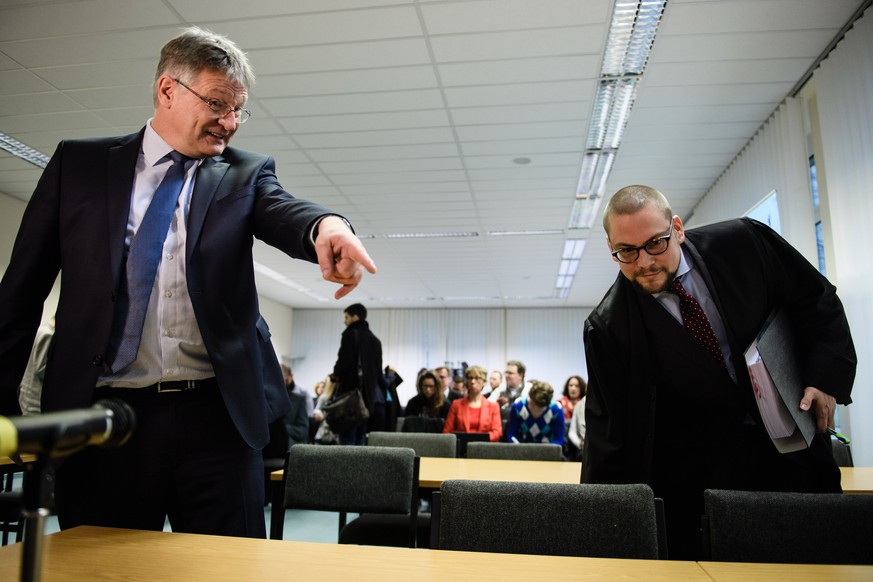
column 348, row 479
column 424, row 444
column 611, row 521
column 517, row 451
column 842, row 453
column 813, row 528
column 422, row 424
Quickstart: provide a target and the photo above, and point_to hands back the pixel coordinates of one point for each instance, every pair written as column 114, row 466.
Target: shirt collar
column 154, row 148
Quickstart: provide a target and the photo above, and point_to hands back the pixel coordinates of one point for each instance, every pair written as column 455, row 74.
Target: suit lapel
column 121, row 172
column 209, row 176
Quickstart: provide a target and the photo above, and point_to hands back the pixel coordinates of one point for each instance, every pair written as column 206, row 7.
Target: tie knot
column 176, row 157
column 677, row 288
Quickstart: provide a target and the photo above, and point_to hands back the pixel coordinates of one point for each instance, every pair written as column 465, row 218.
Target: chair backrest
column 421, row 424
column 842, row 453
column 517, row 451
column 351, row 479
column 612, row 521
column 424, row 444
column 820, row 528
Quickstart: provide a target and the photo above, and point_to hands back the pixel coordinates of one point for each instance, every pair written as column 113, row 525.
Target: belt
column 182, row 386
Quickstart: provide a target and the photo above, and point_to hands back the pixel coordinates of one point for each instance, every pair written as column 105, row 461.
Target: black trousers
column 185, row 461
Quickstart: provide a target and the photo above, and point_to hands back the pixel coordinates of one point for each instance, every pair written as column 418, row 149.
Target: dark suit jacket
column 645, row 372
column 76, row 221
column 357, row 338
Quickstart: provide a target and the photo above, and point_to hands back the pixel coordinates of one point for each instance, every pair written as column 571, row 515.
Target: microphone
column 109, row 423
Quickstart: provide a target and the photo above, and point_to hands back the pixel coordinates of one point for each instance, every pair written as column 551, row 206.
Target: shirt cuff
column 313, row 233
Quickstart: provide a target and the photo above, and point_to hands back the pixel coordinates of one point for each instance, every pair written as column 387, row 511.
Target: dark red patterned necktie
column 696, row 322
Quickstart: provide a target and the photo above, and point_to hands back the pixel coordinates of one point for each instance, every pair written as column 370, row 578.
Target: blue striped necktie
column 142, row 265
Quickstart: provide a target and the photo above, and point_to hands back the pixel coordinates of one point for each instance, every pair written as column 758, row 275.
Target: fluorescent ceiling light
column 584, row 212
column 16, row 148
column 631, row 34
column 573, row 248
column 432, row 235
column 524, row 232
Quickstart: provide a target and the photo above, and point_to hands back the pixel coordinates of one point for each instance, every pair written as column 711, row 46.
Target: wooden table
column 93, row 554
column 857, row 479
column 744, row 572
column 434, row 470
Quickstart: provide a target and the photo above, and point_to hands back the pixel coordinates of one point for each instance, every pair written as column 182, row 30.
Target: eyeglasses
column 654, row 247
column 220, row 107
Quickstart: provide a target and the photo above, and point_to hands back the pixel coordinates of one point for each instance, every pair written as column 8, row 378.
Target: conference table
column 434, row 470
column 96, row 553
column 857, row 480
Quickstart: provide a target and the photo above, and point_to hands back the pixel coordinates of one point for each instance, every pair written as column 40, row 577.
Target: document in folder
column 774, row 367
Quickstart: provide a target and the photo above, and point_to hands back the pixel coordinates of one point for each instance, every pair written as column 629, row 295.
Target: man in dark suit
column 358, row 344
column 203, row 380
column 664, row 409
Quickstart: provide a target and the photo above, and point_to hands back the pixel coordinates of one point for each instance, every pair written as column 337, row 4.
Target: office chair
column 811, row 528
column 366, row 480
column 424, row 444
column 610, row 521
column 516, row 451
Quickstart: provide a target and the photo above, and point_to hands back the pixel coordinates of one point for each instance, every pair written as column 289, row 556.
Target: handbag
column 347, row 410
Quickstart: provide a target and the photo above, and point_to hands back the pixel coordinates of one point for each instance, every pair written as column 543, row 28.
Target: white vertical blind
column 844, row 91
column 775, row 159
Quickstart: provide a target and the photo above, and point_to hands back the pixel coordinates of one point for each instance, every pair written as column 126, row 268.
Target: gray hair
column 196, row 50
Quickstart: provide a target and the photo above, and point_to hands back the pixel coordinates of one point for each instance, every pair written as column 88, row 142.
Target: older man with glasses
column 153, row 235
column 669, row 400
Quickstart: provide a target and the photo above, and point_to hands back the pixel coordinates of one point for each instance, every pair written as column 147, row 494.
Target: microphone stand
column 35, row 507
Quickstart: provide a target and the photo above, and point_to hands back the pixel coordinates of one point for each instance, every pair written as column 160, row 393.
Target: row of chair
column 445, row 445
column 620, row 521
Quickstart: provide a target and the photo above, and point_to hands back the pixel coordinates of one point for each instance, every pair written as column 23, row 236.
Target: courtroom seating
column 422, row 424
column 366, row 480
column 842, row 453
column 516, row 451
column 424, row 444
column 594, row 520
column 812, row 528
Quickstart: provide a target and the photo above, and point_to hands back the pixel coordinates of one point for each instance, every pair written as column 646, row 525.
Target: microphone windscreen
column 123, row 421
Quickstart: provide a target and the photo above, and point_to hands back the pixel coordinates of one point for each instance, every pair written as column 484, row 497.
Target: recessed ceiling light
column 522, row 161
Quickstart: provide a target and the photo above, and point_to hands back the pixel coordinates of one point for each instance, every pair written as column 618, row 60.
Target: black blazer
column 633, row 360
column 75, row 223
column 356, row 338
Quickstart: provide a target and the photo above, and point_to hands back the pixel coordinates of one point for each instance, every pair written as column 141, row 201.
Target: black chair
column 11, row 521
column 365, row 480
column 609, row 521
column 842, row 453
column 812, row 528
column 424, row 444
column 517, row 451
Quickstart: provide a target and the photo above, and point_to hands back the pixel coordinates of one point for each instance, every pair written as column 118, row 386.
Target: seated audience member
column 536, row 419
column 386, row 418
column 317, row 391
column 458, row 389
column 323, row 434
column 474, row 413
column 574, row 391
column 575, row 441
column 429, row 401
column 495, row 383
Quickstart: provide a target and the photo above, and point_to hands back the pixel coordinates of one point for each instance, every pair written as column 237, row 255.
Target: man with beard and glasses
column 674, row 407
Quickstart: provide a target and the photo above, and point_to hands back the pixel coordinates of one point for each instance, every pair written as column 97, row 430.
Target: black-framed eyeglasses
column 654, row 247
column 220, row 107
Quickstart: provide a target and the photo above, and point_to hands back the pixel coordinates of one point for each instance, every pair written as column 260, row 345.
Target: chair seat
column 376, row 529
